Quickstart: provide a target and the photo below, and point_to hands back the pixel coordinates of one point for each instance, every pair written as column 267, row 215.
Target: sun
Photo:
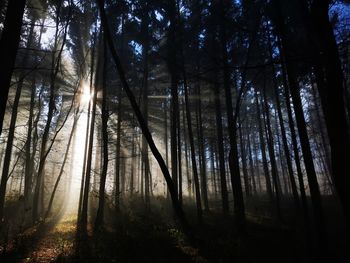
column 85, row 93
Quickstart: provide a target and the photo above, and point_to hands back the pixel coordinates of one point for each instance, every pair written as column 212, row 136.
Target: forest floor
column 153, row 237
column 46, row 242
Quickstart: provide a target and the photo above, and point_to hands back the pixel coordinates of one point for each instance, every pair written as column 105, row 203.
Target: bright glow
column 77, row 163
column 85, row 93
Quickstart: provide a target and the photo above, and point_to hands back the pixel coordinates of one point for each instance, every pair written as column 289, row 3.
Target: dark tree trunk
column 172, row 64
column 44, row 150
column 85, row 200
column 188, row 178
column 251, row 163
column 283, row 134
column 213, row 168
column 286, row 149
column 179, row 157
column 308, row 159
column 190, row 135
column 263, row 151
column 133, row 166
column 221, row 152
column 145, row 49
column 9, row 42
column 117, row 158
column 247, row 186
column 232, row 117
column 11, row 133
column 172, row 189
column 271, row 150
column 104, row 116
column 193, row 151
column 201, row 147
column 332, row 98
column 294, row 142
column 29, row 161
column 86, row 146
column 256, row 159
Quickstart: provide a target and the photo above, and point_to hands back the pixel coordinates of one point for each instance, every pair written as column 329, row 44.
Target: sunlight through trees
column 174, row 131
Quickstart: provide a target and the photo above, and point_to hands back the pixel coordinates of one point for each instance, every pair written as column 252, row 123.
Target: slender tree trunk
column 239, row 207
column 117, row 159
column 244, row 161
column 186, row 149
column 256, row 159
column 204, row 184
column 271, row 150
column 263, row 151
column 145, row 49
column 306, row 150
column 105, row 115
column 48, row 211
column 172, row 62
column 294, row 143
column 44, row 150
column 196, row 183
column 93, row 90
column 286, row 149
column 221, row 153
column 86, row 146
column 284, row 137
column 213, row 168
column 133, row 166
column 166, row 140
column 171, row 186
column 29, row 161
column 85, row 200
column 179, row 152
column 193, row 151
column 251, row 164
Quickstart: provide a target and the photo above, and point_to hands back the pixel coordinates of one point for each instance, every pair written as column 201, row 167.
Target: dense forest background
column 174, row 130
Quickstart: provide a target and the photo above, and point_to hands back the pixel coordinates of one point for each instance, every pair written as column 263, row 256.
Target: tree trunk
column 172, row 189
column 117, row 158
column 29, row 160
column 11, row 133
column 284, row 137
column 247, row 186
column 271, row 150
column 9, row 42
column 263, row 151
column 204, row 186
column 104, row 116
column 332, row 98
column 145, row 50
column 48, row 211
column 44, row 150
column 232, row 129
column 85, row 200
column 251, row 163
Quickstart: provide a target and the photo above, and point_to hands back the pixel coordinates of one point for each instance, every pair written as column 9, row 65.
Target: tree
column 9, row 42
column 172, row 189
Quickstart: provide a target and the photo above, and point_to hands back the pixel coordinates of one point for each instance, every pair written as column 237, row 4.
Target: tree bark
column 9, row 42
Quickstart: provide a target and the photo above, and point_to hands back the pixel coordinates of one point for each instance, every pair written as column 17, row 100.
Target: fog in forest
column 174, row 131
